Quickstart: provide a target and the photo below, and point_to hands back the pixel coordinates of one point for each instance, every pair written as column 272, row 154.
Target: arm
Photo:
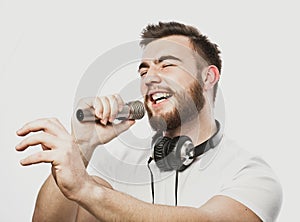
column 109, row 205
column 71, row 186
column 51, row 204
column 105, row 204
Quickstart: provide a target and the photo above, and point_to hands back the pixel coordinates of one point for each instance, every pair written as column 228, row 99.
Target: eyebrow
column 161, row 59
column 143, row 65
column 167, row 57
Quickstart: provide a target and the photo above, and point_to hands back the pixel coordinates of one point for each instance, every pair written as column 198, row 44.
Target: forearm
column 110, row 205
column 51, row 202
column 52, row 205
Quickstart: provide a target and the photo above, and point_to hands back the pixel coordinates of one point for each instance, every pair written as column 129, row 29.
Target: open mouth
column 160, row 97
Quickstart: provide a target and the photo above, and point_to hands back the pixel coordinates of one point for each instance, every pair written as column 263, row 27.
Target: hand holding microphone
column 131, row 111
column 103, row 110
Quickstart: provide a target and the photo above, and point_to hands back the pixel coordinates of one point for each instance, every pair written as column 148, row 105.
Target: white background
column 45, row 47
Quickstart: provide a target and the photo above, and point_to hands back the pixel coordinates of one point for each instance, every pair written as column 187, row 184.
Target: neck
column 200, row 129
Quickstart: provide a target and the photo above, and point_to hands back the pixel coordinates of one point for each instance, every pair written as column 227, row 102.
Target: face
column 173, row 94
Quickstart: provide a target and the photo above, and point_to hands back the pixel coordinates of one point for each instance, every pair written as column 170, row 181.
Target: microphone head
column 137, row 110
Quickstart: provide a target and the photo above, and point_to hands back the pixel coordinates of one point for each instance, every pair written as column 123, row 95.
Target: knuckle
column 117, row 96
column 99, row 99
column 68, row 153
column 71, row 140
column 67, row 141
column 42, row 135
column 47, row 122
column 54, row 119
column 98, row 105
column 113, row 98
column 96, row 100
column 105, row 99
column 27, row 140
column 84, row 100
column 39, row 155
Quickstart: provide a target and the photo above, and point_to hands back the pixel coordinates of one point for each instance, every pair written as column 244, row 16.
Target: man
column 179, row 73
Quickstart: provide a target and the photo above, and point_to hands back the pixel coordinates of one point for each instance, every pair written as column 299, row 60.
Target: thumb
column 123, row 126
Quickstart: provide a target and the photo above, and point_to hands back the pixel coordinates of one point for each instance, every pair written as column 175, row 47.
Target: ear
column 211, row 77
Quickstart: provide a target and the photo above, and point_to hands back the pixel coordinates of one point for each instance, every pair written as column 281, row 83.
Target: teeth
column 159, row 101
column 160, row 95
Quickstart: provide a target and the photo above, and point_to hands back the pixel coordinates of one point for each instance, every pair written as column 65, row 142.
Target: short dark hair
column 202, row 45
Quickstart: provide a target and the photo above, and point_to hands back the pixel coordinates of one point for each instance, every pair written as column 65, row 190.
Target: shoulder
column 232, row 156
column 249, row 179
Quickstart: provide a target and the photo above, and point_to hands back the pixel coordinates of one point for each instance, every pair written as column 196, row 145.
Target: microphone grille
column 137, row 110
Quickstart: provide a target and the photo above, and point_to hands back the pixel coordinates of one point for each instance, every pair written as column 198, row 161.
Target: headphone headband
column 212, row 142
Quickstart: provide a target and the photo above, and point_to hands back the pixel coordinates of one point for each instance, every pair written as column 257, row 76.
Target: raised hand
column 59, row 149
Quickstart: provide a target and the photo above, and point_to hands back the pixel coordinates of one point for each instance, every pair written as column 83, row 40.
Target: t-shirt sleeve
column 256, row 186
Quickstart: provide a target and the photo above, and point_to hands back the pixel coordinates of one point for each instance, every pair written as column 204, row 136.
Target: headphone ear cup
column 173, row 158
column 169, row 154
column 159, row 153
column 155, row 139
column 183, row 147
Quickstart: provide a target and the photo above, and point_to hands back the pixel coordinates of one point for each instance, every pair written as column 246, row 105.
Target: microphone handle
column 88, row 115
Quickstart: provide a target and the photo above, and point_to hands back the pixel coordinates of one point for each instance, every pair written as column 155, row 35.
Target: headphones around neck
column 179, row 152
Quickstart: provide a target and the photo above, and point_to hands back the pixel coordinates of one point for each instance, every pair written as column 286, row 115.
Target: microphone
column 131, row 110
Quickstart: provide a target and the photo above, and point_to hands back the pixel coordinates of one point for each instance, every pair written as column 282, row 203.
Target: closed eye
column 143, row 72
column 167, row 65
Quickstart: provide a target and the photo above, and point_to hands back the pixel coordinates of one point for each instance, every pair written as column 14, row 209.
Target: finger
column 50, row 125
column 39, row 157
column 106, row 110
column 114, row 109
column 119, row 101
column 86, row 103
column 48, row 140
column 98, row 106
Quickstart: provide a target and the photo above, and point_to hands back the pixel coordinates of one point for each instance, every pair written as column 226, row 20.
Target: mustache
column 158, row 88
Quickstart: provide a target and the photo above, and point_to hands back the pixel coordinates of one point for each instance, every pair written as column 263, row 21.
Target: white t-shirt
column 225, row 170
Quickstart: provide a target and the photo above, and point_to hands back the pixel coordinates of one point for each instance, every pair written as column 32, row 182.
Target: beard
column 188, row 105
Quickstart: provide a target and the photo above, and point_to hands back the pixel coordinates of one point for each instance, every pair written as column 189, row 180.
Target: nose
column 152, row 76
